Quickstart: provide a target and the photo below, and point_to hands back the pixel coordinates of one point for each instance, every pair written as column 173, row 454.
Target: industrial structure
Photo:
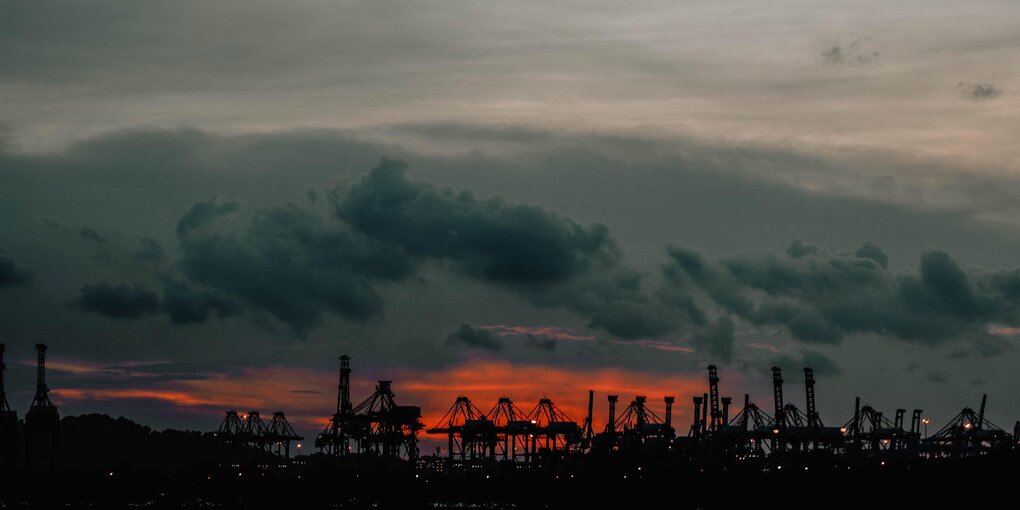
column 250, row 430
column 377, row 427
column 32, row 443
column 41, row 421
column 636, row 437
column 642, row 435
column 8, row 423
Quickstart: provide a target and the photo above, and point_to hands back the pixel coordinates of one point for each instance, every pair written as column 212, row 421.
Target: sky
column 205, row 203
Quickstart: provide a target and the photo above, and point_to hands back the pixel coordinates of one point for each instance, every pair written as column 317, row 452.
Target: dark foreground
column 932, row 485
column 102, row 462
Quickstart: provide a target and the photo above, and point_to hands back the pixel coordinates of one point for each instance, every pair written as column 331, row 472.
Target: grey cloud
column 978, row 92
column 860, row 51
column 475, row 337
column 551, row 260
column 700, row 181
column 204, row 213
column 296, row 263
column 130, row 375
column 491, row 238
column 870, row 251
column 937, row 376
column 121, row 249
column 988, row 345
column 11, row 274
column 688, row 270
column 181, row 302
column 717, row 340
column 808, row 325
column 290, row 262
column 798, row 249
column 545, row 344
column 985, row 346
column 92, row 235
column 118, row 301
column 148, row 251
column 822, row 299
column 628, row 319
column 184, row 304
column 166, row 170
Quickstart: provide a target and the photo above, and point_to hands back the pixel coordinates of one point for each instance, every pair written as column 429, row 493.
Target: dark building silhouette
column 41, row 421
column 8, row 423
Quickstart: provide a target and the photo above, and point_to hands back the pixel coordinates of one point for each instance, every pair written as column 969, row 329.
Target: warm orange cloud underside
column 272, row 389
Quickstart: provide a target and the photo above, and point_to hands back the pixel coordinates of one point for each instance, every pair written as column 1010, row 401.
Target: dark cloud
column 859, row 51
column 544, row 344
column 687, row 270
column 739, row 214
column 204, row 213
column 717, row 340
column 120, row 249
column 937, row 376
column 798, row 249
column 290, row 262
column 185, row 304
column 978, row 92
column 475, row 337
column 818, row 362
column 823, row 298
column 297, row 263
column 180, row 301
column 629, row 319
column 985, row 346
column 147, row 251
column 11, row 274
column 92, row 234
column 870, row 251
column 118, row 301
column 490, row 238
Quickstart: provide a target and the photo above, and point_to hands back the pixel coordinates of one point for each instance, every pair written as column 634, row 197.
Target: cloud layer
column 297, row 262
column 979, row 92
column 118, row 301
column 11, row 274
column 821, row 297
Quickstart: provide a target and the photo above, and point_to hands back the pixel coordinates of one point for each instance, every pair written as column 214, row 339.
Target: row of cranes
column 377, row 427
column 753, row 434
column 250, row 430
column 751, row 437
column 970, row 434
column 506, row 432
column 544, row 436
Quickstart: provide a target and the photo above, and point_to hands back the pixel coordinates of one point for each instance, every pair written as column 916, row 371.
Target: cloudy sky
column 204, row 203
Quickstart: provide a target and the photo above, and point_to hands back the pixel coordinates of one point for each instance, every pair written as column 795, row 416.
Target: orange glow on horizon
column 174, row 397
column 484, row 382
column 309, row 396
